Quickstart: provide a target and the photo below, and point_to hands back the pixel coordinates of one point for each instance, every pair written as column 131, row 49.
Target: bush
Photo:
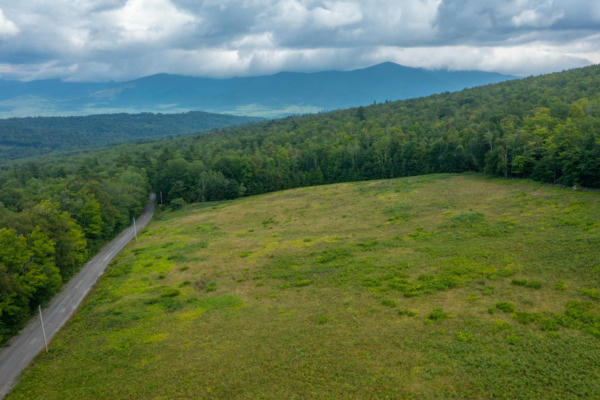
column 593, row 294
column 388, row 303
column 177, row 203
column 170, row 292
column 211, row 286
column 526, row 283
column 549, row 324
column 437, row 315
column 407, row 313
column 505, row 306
column 525, row 317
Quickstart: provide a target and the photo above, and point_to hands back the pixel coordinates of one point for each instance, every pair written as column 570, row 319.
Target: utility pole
column 134, row 229
column 161, row 198
column 43, row 330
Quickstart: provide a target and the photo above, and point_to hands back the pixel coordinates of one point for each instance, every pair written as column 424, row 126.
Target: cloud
column 483, row 22
column 334, row 15
column 535, row 18
column 528, row 59
column 7, row 27
column 147, row 21
column 124, row 39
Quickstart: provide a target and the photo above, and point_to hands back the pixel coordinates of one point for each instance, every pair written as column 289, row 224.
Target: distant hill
column 276, row 95
column 25, row 137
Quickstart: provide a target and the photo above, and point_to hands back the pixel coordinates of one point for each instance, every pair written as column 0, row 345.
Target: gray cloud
column 123, row 39
column 478, row 22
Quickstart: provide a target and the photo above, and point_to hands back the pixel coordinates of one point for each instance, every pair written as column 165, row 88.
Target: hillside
column 546, row 128
column 439, row 286
column 265, row 96
column 56, row 211
column 27, row 137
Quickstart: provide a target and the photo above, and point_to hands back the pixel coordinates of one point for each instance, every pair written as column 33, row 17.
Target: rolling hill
column 56, row 211
column 27, row 137
column 438, row 286
column 276, row 95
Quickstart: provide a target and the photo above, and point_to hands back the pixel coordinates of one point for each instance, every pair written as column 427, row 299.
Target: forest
column 544, row 128
column 55, row 212
column 28, row 137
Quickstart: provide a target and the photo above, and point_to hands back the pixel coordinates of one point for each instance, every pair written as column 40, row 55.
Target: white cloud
column 335, row 14
column 148, row 20
column 537, row 19
column 123, row 39
column 254, row 41
column 523, row 60
column 7, row 27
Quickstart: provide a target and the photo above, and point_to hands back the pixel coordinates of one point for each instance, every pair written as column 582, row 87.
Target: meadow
column 436, row 286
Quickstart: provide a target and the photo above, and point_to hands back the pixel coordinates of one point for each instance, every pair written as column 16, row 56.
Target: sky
column 100, row 40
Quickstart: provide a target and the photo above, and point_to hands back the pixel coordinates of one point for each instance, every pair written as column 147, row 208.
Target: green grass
column 439, row 286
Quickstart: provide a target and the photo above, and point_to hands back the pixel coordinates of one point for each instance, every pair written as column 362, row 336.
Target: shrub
column 534, row 284
column 466, row 337
column 333, row 254
column 593, row 294
column 505, row 306
column 437, row 315
column 177, row 203
column 525, row 317
column 169, row 303
column 526, row 283
column 512, row 339
column 170, row 292
column 549, row 324
column 407, row 313
column 211, row 286
column 388, row 303
column 300, row 283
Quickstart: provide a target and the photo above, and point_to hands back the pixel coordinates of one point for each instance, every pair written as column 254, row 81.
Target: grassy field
column 439, row 286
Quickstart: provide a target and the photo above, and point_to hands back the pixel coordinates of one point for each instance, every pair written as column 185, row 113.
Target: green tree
column 14, row 256
column 90, row 217
column 69, row 239
column 41, row 277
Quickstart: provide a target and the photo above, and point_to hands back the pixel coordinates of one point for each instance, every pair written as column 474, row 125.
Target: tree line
column 545, row 128
column 52, row 219
column 55, row 212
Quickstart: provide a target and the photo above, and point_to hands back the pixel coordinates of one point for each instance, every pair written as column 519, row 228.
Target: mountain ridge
column 281, row 94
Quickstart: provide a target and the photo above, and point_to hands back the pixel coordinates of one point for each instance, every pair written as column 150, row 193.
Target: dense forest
column 55, row 212
column 56, row 218
column 545, row 128
column 26, row 137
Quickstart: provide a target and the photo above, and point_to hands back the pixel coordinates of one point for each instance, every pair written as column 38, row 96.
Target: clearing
column 438, row 286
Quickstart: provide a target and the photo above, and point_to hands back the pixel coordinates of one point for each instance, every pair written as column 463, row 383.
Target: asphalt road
column 29, row 342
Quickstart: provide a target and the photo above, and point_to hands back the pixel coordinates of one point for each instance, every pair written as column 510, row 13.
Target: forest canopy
column 27, row 137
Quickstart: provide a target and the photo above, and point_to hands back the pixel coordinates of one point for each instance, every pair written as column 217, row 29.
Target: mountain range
column 277, row 95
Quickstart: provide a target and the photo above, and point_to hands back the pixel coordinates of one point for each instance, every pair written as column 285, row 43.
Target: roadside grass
column 437, row 286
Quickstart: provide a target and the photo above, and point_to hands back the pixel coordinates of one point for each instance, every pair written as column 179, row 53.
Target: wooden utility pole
column 43, row 329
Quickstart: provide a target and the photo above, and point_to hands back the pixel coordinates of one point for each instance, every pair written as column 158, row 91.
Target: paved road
column 24, row 347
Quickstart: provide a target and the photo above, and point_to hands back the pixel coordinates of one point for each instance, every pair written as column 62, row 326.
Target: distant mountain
column 25, row 137
column 276, row 95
